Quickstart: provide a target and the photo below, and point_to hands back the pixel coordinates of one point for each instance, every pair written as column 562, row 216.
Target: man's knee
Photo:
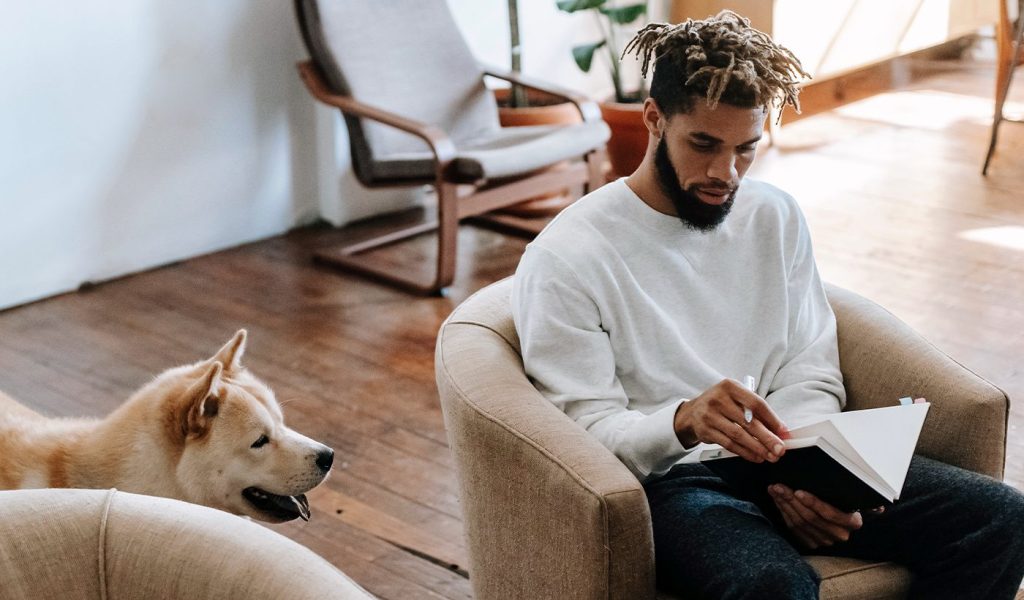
column 1006, row 512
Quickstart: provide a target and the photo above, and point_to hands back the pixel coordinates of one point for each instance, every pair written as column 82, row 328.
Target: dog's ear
column 230, row 355
column 202, row 403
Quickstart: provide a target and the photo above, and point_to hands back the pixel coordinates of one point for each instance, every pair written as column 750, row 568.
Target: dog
column 209, row 433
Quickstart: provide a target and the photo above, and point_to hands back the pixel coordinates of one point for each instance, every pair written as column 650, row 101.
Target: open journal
column 852, row 460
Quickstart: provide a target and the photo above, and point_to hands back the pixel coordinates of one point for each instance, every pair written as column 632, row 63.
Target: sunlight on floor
column 927, row 109
column 1009, row 236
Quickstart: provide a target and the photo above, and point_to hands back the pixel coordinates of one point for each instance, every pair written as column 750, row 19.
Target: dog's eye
column 263, row 439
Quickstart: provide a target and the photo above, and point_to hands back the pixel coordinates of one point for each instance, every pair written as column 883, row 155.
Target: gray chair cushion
column 508, row 152
column 408, row 57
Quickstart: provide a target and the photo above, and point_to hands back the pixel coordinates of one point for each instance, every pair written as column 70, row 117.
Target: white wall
column 546, row 34
column 134, row 133
column 138, row 132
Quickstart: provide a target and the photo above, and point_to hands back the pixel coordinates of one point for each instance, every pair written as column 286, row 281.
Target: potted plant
column 518, row 107
column 628, row 142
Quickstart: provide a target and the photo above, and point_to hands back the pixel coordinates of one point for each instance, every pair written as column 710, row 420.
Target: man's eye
column 262, row 441
column 703, row 147
column 745, row 149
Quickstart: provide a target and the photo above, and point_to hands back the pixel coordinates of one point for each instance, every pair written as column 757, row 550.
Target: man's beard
column 693, row 212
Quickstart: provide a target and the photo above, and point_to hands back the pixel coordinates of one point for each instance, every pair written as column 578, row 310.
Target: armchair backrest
column 406, row 57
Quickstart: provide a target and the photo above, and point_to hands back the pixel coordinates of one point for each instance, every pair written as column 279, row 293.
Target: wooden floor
column 890, row 185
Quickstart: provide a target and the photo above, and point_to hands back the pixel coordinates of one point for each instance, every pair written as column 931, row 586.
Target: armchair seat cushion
column 506, row 152
column 852, row 579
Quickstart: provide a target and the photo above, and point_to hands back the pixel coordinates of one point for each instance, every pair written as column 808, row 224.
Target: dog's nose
column 324, row 459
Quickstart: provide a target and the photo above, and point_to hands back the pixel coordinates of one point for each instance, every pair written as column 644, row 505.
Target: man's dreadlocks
column 722, row 58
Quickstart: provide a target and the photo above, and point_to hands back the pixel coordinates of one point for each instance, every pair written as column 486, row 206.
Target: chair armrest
column 53, row 540
column 440, row 144
column 883, row 359
column 549, row 512
column 588, row 109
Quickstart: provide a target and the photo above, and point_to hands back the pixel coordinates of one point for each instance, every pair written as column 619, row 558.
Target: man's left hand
column 815, row 523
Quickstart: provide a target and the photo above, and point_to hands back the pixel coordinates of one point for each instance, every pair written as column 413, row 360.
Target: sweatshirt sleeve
column 809, row 383
column 568, row 356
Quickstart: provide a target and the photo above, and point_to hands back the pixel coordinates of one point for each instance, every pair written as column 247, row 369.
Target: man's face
column 702, row 156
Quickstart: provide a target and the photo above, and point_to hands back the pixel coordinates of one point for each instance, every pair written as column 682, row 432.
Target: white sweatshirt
column 623, row 313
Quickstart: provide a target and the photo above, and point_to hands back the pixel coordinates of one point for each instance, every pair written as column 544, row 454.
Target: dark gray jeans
column 961, row 534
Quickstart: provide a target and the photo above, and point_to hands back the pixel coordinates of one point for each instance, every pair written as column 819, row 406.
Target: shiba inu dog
column 208, row 433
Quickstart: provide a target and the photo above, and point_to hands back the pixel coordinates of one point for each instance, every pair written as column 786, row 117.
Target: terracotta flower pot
column 538, row 113
column 628, row 143
column 543, row 110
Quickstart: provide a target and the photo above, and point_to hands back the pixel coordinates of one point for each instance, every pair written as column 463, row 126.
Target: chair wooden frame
column 1008, row 46
column 453, row 204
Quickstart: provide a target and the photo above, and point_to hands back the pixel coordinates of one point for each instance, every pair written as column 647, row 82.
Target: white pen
column 751, row 384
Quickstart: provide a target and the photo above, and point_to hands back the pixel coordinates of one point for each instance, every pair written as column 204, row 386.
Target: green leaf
column 624, row 14
column 584, row 55
column 571, row 6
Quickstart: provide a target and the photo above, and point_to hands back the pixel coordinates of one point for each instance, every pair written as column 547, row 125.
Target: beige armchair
column 550, row 513
column 96, row 544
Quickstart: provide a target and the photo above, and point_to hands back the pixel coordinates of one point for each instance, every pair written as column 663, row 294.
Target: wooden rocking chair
column 418, row 113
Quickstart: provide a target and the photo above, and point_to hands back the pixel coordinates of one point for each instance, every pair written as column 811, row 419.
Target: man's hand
column 814, row 522
column 716, row 417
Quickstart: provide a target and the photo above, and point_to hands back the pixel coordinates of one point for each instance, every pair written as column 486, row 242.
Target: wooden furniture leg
column 1007, row 59
column 350, row 258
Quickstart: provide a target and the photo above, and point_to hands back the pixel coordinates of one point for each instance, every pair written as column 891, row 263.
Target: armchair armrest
column 440, row 144
column 883, row 359
column 588, row 108
column 536, row 488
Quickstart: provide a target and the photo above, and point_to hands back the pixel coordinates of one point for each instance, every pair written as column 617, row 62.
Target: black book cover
column 810, row 469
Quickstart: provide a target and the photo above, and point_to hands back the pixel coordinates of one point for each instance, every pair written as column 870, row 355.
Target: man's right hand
column 716, row 417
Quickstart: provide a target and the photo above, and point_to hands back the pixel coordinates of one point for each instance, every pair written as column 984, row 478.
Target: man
column 640, row 305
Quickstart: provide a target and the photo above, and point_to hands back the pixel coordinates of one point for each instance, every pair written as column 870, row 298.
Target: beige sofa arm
column 549, row 511
column 77, row 544
column 883, row 359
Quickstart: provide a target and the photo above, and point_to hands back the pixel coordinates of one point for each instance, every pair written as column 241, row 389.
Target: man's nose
column 723, row 168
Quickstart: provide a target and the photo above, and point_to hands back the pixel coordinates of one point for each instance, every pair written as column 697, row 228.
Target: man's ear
column 230, row 355
column 654, row 120
column 201, row 402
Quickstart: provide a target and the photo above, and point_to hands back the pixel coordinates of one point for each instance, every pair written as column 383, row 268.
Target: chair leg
column 350, row 258
column 1009, row 52
column 575, row 175
column 595, row 168
column 447, row 235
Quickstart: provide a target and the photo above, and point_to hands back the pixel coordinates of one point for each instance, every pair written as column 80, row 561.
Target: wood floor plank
column 373, row 520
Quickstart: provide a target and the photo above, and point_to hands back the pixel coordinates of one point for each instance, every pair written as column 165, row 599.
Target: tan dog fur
column 189, row 434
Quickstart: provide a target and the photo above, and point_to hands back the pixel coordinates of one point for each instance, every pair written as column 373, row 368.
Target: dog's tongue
column 303, row 505
column 297, row 504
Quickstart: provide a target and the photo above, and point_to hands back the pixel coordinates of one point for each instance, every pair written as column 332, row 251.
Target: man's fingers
column 752, row 435
column 740, row 436
column 716, row 436
column 810, row 517
column 807, row 534
column 763, row 413
column 767, row 439
column 848, row 521
column 832, row 531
